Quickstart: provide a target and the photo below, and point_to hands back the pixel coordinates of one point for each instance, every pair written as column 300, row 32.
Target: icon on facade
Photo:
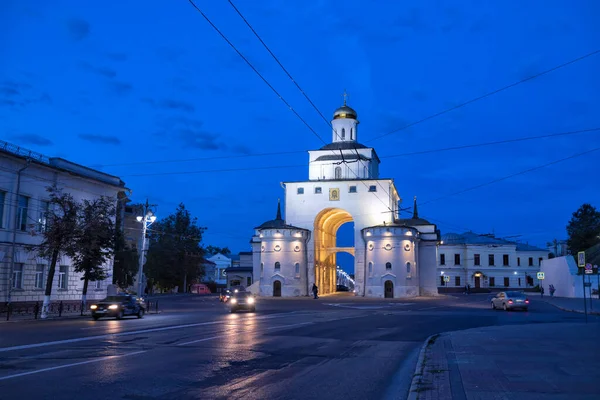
column 334, row 194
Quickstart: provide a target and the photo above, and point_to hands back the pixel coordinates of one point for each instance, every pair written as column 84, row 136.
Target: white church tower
column 393, row 257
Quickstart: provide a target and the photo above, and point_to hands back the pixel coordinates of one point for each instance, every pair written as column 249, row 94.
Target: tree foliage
column 583, row 229
column 175, row 256
column 94, row 239
column 212, row 250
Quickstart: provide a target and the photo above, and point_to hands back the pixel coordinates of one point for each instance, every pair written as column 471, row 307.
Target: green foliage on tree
column 94, row 240
column 212, row 250
column 58, row 235
column 583, row 229
column 175, row 256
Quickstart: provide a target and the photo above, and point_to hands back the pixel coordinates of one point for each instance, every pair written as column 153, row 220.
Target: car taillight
column 526, row 301
column 510, row 302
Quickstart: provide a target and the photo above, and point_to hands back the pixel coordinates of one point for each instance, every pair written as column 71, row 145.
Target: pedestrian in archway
column 315, row 291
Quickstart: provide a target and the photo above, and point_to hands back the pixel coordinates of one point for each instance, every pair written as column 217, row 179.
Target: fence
column 30, row 310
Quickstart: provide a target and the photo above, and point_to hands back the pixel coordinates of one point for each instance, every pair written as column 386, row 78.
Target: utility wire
column 486, row 95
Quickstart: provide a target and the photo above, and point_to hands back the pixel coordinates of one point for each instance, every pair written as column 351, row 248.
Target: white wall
column 562, row 273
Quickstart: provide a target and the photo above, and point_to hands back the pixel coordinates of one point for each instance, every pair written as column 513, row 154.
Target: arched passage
column 326, row 227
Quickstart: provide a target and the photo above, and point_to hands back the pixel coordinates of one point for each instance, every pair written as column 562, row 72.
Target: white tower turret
column 344, row 123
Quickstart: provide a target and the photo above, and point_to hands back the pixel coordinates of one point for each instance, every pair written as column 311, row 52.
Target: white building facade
column 219, row 274
column 486, row 262
column 24, row 202
column 393, row 257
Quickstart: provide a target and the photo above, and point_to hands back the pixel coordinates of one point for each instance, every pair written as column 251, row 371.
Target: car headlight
column 250, row 300
column 93, row 307
column 233, row 301
column 113, row 306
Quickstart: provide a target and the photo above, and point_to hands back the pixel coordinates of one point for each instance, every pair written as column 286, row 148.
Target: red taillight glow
column 526, row 301
column 510, row 302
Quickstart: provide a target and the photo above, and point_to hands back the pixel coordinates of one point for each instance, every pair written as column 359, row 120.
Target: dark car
column 242, row 301
column 225, row 295
column 118, row 306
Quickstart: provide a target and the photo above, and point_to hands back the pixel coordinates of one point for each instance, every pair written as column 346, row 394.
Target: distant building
column 219, row 275
column 484, row 261
column 241, row 271
column 24, row 203
column 210, row 271
column 557, row 248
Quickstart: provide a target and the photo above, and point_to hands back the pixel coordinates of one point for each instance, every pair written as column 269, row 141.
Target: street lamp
column 146, row 221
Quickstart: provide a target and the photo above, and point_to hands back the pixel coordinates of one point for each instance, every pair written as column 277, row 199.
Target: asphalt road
column 336, row 347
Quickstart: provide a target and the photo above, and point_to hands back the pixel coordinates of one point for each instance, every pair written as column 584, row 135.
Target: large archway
column 325, row 231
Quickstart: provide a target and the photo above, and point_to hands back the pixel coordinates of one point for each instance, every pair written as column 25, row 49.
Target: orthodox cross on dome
column 345, row 96
column 415, row 211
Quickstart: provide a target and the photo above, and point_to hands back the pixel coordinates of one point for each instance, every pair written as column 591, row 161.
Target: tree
column 212, row 250
column 59, row 235
column 583, row 229
column 175, row 256
column 94, row 240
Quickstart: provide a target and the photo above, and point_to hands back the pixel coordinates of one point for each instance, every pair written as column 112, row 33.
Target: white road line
column 113, row 335
column 203, row 340
column 37, row 371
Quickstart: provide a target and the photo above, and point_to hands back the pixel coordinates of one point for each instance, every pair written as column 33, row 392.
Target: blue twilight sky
column 108, row 83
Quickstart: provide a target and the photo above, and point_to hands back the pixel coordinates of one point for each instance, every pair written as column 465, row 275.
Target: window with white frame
column 277, row 266
column 338, row 172
column 39, row 276
column 17, row 276
column 43, row 216
column 297, row 269
column 23, row 205
column 98, row 284
column 2, row 199
column 63, row 272
column 370, row 268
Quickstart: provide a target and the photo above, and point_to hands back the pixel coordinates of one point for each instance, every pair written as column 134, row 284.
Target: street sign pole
column 581, row 265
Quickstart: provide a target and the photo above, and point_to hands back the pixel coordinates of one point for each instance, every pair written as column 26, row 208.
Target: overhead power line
column 486, row 95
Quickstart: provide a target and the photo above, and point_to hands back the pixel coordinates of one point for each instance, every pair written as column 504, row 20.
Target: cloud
column 120, row 88
column 19, row 94
column 78, row 28
column 170, row 104
column 32, row 138
column 113, row 140
column 117, row 56
column 13, row 88
column 200, row 139
column 104, row 71
column 241, row 149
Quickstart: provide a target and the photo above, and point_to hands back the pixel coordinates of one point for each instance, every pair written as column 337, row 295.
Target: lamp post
column 146, row 221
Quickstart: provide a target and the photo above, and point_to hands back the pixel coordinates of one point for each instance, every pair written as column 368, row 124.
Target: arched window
column 343, row 134
column 408, row 267
column 262, row 267
column 277, row 266
column 370, row 268
column 351, row 134
column 388, row 265
column 297, row 266
column 338, row 172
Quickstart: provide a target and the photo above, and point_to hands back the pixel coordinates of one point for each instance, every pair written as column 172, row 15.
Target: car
column 242, row 301
column 510, row 301
column 118, row 306
column 225, row 295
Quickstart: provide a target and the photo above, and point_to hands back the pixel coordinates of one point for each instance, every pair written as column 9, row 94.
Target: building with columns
column 393, row 257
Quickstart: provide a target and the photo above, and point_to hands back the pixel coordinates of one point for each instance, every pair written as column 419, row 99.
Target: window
column 370, row 268
column 277, row 266
column 457, row 259
column 518, row 261
column 43, row 216
column 540, row 261
column 318, row 190
column 519, row 282
column 457, row 281
column 23, row 204
column 248, row 281
column 352, row 189
column 388, row 265
column 351, row 134
column 491, row 259
column 338, row 172
column 477, row 260
column 505, row 260
column 39, row 276
column 506, row 282
column 343, row 134
column 372, row 188
column 262, row 267
column 531, row 261
column 442, row 282
column 62, row 277
column 300, row 190
column 442, row 259
column 98, row 285
column 297, row 268
column 17, row 276
column 492, row 281
column 2, row 199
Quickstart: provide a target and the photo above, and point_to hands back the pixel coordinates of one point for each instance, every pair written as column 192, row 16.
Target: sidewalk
column 539, row 361
column 570, row 304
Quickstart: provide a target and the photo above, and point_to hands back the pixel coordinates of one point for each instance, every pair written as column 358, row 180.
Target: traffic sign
column 581, row 259
column 540, row 276
column 446, row 278
column 588, row 268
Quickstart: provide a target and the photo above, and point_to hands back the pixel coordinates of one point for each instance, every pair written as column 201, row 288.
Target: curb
column 416, row 381
column 572, row 310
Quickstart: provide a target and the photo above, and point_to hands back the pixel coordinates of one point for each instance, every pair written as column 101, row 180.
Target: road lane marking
column 113, row 335
column 236, row 333
column 70, row 365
